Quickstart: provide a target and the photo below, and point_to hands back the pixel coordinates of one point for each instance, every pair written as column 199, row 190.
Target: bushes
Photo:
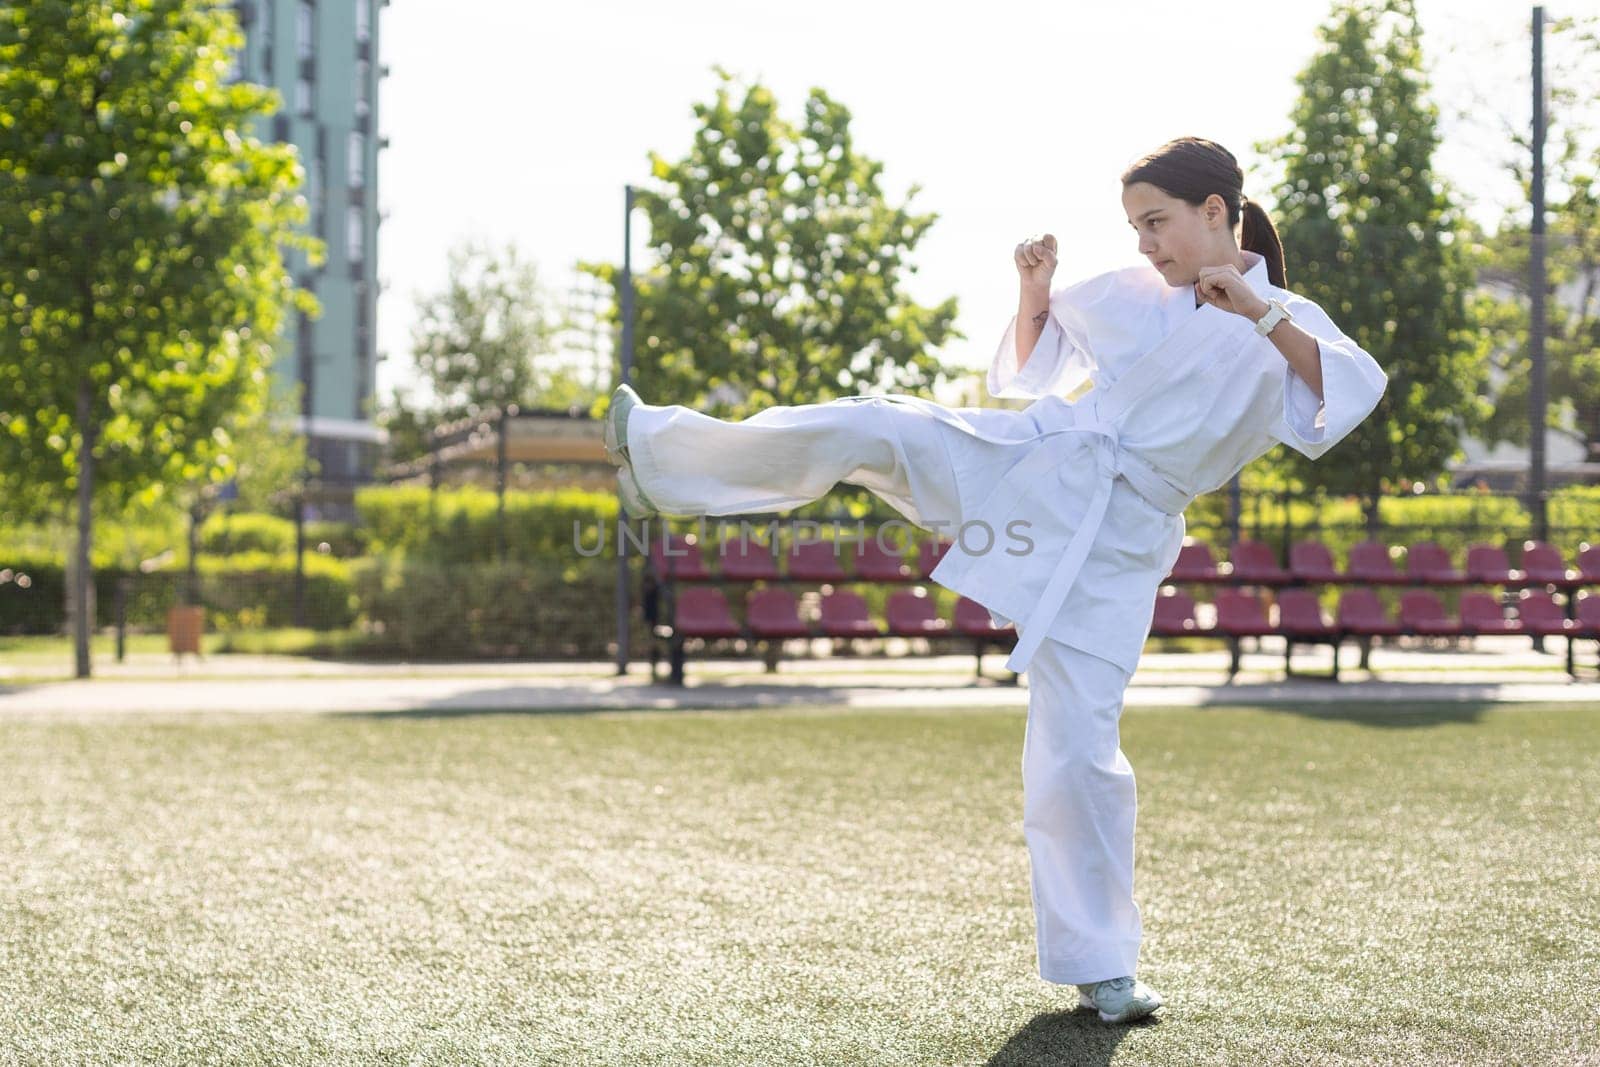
column 251, row 590
column 429, row 610
column 462, row 526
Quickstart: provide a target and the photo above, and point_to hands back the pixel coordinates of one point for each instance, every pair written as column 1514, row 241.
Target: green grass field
column 1404, row 885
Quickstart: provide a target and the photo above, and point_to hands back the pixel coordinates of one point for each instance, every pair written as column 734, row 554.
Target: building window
column 302, row 97
column 358, row 159
column 316, row 193
column 305, row 24
column 363, row 21
column 355, row 235
column 363, row 87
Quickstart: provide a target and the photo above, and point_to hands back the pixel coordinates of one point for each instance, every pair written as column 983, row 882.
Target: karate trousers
column 1079, row 797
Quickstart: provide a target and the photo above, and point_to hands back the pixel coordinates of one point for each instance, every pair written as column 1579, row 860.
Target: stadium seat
column 1429, row 562
column 1254, row 563
column 1241, row 614
column 929, row 554
column 1589, row 564
column 1361, row 614
column 1422, row 614
column 1312, row 561
column 702, row 611
column 913, row 615
column 772, row 613
column 679, row 559
column 1588, row 612
column 1174, row 615
column 1489, row 565
column 1540, row 615
column 1542, row 564
column 873, row 564
column 844, row 614
column 815, row 561
column 744, row 559
column 1300, row 616
column 1370, row 562
column 973, row 619
column 1194, row 564
column 1481, row 614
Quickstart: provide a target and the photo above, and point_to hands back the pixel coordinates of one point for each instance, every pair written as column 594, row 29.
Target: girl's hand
column 1036, row 260
column 1226, row 288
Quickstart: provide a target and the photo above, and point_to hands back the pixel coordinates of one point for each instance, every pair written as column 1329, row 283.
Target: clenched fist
column 1036, row 260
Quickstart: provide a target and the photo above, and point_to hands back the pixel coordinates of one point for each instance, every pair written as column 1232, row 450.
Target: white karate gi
column 1070, row 514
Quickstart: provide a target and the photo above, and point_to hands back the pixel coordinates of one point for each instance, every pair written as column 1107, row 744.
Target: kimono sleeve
column 1352, row 384
column 1061, row 361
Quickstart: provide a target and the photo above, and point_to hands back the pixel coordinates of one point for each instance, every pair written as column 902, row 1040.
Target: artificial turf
column 1401, row 884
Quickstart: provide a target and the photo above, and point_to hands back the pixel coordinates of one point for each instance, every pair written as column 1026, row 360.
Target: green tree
column 1572, row 248
column 1370, row 232
column 779, row 265
column 143, row 286
column 487, row 339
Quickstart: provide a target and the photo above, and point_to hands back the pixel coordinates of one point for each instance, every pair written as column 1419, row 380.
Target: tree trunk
column 82, row 623
column 1370, row 506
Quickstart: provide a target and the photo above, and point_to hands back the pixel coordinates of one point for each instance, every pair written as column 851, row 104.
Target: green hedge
column 427, row 610
column 245, row 591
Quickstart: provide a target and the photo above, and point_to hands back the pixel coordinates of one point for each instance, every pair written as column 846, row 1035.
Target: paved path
column 1505, row 672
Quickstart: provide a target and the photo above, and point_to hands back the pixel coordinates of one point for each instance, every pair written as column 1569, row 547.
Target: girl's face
column 1177, row 237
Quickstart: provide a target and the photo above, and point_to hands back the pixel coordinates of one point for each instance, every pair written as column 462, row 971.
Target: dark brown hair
column 1191, row 169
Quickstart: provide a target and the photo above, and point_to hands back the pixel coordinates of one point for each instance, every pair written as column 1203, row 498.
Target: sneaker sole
column 1125, row 1017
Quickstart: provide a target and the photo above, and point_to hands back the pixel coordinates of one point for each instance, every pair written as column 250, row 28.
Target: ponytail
column 1257, row 234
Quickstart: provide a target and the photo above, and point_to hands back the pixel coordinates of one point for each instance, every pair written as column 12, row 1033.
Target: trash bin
column 184, row 624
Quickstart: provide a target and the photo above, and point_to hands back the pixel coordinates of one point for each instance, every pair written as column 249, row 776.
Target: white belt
column 1111, row 461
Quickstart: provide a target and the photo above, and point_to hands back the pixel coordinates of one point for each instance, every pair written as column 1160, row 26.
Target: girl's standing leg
column 1079, row 806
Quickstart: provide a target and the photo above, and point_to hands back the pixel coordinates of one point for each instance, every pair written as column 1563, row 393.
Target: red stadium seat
column 1370, row 562
column 744, row 559
column 1429, row 561
column 702, row 611
column 911, row 615
column 1174, row 615
column 1311, row 561
column 1361, row 614
column 772, row 613
column 1489, row 565
column 1194, row 564
column 1540, row 614
column 678, row 559
column 1542, row 564
column 1254, row 563
column 873, row 564
column 929, row 555
column 1422, row 614
column 844, row 614
column 973, row 619
column 1300, row 615
column 1589, row 616
column 1481, row 614
column 1589, row 564
column 1240, row 614
column 816, row 561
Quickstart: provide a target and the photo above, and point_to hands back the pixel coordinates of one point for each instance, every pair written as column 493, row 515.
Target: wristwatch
column 1276, row 313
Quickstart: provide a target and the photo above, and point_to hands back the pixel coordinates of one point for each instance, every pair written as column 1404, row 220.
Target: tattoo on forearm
column 1040, row 319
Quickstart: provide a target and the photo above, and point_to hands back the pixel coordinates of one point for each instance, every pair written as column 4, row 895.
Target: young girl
column 1150, row 385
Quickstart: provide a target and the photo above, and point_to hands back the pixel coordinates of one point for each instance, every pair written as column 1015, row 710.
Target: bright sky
column 523, row 121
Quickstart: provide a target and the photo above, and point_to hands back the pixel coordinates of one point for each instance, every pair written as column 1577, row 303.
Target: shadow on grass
column 586, row 700
column 1065, row 1039
column 1396, row 715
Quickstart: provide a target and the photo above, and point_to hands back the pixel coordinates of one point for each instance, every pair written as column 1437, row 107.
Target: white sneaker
column 616, row 441
column 1119, row 1000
